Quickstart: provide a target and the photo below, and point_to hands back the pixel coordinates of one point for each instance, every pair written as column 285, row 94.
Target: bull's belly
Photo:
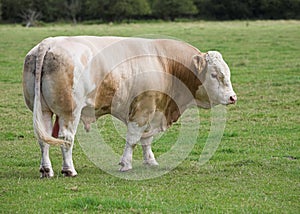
column 157, row 123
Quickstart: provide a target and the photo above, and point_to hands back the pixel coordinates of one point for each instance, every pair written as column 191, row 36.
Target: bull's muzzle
column 232, row 99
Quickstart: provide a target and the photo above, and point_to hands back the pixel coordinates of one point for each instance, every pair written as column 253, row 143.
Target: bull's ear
column 199, row 62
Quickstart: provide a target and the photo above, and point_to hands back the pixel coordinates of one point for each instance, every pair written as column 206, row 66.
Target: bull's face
column 215, row 77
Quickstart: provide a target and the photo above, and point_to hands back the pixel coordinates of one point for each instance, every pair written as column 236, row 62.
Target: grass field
column 256, row 168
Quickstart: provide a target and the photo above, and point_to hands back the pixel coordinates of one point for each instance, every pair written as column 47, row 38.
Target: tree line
column 17, row 11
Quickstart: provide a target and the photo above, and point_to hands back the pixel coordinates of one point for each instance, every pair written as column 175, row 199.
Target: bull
column 134, row 79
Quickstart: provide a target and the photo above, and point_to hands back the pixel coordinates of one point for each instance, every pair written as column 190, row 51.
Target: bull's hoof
column 68, row 173
column 125, row 167
column 46, row 172
column 151, row 162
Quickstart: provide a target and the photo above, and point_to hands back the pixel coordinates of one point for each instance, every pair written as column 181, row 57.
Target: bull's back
column 69, row 60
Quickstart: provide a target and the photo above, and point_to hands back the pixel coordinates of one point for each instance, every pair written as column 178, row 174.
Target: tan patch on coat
column 143, row 107
column 104, row 95
column 172, row 112
column 185, row 74
column 57, row 83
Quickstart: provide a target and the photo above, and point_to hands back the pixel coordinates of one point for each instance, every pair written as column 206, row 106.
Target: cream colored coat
column 145, row 83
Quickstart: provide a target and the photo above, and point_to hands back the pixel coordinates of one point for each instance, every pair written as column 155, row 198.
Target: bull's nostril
column 232, row 98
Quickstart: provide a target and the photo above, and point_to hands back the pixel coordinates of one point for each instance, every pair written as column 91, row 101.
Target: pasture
column 256, row 168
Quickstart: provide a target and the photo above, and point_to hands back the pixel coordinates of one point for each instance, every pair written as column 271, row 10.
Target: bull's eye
column 214, row 75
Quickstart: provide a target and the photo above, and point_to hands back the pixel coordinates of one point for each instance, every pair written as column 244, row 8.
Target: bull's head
column 216, row 86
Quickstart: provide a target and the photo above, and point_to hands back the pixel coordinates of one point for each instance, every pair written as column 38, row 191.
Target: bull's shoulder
column 145, row 106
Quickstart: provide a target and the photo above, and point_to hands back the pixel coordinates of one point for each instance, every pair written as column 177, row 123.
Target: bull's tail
column 38, row 123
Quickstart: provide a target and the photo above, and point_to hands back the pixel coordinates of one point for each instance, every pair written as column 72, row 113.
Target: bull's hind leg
column 134, row 133
column 46, row 167
column 149, row 158
column 68, row 168
column 67, row 131
column 62, row 97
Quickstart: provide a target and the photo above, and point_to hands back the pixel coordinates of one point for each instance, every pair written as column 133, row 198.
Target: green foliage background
column 119, row 10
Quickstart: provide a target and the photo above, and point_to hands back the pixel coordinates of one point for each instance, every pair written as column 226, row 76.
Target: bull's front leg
column 126, row 160
column 149, row 158
column 134, row 133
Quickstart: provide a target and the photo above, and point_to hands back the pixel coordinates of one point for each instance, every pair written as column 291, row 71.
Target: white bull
column 145, row 83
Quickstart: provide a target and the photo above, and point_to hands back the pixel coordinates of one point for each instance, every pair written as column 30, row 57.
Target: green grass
column 256, row 168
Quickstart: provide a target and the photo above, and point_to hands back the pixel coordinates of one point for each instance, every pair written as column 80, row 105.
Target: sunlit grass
column 255, row 169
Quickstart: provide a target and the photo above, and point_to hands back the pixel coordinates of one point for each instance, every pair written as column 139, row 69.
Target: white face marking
column 216, row 88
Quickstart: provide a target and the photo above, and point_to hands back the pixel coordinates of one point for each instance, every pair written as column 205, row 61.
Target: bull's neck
column 184, row 86
column 185, row 73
